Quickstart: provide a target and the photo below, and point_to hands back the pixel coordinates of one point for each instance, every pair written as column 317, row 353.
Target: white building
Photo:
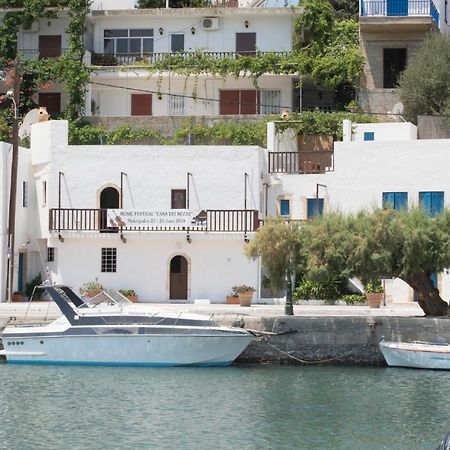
column 120, row 38
column 377, row 164
column 193, row 208
column 62, row 223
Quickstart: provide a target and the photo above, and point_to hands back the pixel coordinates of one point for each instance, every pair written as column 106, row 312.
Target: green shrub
column 354, row 299
column 315, row 290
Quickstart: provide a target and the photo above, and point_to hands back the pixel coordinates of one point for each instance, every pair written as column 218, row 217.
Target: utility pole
column 13, row 186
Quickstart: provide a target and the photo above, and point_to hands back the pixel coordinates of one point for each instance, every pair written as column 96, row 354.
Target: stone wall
column 166, row 125
column 337, row 340
column 430, row 127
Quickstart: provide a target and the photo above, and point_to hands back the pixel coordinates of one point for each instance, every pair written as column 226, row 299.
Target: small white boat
column 416, row 354
column 116, row 332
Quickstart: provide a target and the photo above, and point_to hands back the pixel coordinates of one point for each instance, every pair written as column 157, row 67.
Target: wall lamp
column 246, row 239
column 161, row 30
column 246, row 24
column 192, row 30
column 188, row 238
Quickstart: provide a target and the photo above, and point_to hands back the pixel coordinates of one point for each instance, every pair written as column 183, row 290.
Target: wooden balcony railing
column 124, row 59
column 301, row 162
column 217, row 220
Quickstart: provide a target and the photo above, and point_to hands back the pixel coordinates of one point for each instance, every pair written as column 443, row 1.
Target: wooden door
column 51, row 101
column 178, row 278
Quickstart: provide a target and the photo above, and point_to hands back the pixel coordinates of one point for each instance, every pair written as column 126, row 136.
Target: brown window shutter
column 246, row 44
column 141, row 104
column 229, row 102
column 51, row 101
column 49, row 46
column 249, row 102
column 178, row 200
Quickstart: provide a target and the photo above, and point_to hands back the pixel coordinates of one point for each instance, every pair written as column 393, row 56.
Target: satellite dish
column 397, row 109
column 28, row 120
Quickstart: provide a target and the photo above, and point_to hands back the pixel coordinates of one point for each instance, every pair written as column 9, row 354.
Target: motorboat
column 110, row 330
column 417, row 354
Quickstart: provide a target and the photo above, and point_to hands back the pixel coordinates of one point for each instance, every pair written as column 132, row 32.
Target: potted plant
column 18, row 297
column 130, row 294
column 91, row 288
column 233, row 299
column 374, row 294
column 30, row 288
column 245, row 294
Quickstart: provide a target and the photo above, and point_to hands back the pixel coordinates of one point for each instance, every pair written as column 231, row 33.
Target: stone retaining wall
column 342, row 340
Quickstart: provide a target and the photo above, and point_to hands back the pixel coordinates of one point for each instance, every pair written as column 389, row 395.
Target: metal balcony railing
column 301, row 162
column 217, row 220
column 124, row 59
column 399, row 8
column 43, row 53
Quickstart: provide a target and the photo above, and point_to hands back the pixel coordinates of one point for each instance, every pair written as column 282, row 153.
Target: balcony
column 303, row 162
column 95, row 220
column 126, row 59
column 421, row 14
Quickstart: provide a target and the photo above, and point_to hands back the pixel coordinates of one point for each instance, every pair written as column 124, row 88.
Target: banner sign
column 173, row 218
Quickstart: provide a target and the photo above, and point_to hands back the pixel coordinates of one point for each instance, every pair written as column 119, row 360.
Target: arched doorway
column 178, row 278
column 109, row 199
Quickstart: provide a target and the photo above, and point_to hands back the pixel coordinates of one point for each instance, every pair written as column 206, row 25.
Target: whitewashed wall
column 117, row 102
column 232, row 20
column 401, row 131
column 363, row 171
column 216, row 260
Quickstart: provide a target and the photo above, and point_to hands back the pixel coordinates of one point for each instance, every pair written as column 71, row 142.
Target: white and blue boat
column 110, row 330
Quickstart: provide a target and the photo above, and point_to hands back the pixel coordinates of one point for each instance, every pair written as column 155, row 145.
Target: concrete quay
column 315, row 334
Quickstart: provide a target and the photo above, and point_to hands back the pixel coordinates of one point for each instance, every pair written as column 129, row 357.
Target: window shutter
column 246, row 44
column 229, row 102
column 51, row 101
column 249, row 102
column 141, row 104
column 49, row 46
column 437, row 203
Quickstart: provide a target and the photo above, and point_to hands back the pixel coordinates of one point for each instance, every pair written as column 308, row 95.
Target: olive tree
column 424, row 86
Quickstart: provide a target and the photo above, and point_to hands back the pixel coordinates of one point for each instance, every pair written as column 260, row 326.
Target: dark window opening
column 51, row 101
column 50, row 254
column 246, row 44
column 177, row 43
column 109, row 259
column 394, row 63
column 178, row 200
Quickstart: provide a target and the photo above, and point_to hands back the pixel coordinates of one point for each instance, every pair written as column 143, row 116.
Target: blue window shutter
column 401, row 200
column 425, row 201
column 315, row 207
column 437, row 203
column 388, row 200
column 369, row 136
column 285, row 207
column 433, row 278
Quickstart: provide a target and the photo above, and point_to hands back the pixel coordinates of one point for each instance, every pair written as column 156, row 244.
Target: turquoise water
column 251, row 407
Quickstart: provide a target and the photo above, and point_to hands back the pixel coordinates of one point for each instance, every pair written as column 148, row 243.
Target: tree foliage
column 280, row 246
column 329, row 45
column 384, row 243
column 424, row 86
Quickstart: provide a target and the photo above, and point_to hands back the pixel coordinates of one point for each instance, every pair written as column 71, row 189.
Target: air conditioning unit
column 211, row 23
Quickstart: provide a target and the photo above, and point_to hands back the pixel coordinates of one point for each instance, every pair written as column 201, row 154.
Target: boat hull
column 127, row 350
column 416, row 355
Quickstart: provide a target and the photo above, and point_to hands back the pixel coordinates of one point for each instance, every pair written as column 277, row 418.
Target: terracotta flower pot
column 17, row 297
column 245, row 298
column 374, row 299
column 232, row 300
column 132, row 298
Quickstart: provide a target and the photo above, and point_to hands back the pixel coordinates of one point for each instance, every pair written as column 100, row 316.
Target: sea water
column 240, row 407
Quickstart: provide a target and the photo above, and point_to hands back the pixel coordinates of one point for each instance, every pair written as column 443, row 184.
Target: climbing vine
column 68, row 69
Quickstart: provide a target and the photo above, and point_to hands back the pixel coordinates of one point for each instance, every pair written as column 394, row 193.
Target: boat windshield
column 108, row 297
